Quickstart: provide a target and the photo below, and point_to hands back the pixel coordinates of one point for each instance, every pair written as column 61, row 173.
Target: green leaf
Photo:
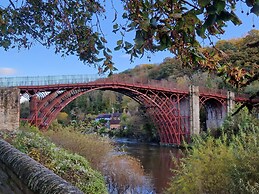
column 119, row 42
column 145, row 25
column 250, row 3
column 225, row 16
column 100, row 59
column 210, row 20
column 127, row 45
column 5, row 43
column 203, row 3
column 220, row 5
column 255, row 9
column 103, row 40
column 115, row 26
column 109, row 51
column 153, row 22
column 106, row 69
column 201, row 32
column 139, row 40
column 131, row 26
column 211, row 9
column 117, row 48
column 235, row 19
column 124, row 15
column 100, row 46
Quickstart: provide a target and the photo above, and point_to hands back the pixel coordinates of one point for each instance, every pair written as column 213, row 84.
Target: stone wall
column 26, row 176
column 9, row 108
column 9, row 183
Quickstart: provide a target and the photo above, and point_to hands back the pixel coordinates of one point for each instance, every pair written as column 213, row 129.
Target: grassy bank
column 82, row 159
column 70, row 166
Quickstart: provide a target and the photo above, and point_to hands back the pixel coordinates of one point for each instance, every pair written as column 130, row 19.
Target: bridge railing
column 120, row 78
column 46, row 80
column 212, row 91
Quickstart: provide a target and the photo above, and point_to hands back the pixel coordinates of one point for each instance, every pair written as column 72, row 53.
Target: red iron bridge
column 174, row 110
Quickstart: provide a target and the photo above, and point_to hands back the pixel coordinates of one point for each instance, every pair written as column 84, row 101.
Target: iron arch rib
column 156, row 102
column 169, row 107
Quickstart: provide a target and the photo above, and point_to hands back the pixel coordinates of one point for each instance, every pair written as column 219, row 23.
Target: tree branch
column 190, row 4
column 10, row 1
column 249, row 104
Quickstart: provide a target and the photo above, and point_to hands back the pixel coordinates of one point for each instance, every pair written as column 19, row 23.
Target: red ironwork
column 164, row 102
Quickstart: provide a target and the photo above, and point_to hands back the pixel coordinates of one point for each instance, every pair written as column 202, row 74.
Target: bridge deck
column 42, row 83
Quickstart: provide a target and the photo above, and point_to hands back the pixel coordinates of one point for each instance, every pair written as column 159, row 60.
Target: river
column 156, row 161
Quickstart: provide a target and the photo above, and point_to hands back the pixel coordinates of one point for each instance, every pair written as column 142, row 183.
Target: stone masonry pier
column 9, row 108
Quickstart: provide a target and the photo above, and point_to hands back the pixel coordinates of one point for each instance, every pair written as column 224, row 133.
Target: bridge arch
column 164, row 109
column 212, row 113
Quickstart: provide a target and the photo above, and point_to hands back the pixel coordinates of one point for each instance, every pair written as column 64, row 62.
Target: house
column 115, row 124
column 113, row 119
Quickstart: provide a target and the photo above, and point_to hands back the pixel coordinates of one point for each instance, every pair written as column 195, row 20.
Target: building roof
column 107, row 115
column 103, row 116
column 114, row 122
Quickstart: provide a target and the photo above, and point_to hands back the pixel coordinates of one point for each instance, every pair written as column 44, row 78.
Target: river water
column 156, row 161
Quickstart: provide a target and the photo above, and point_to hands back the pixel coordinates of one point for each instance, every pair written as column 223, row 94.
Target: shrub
column 228, row 164
column 71, row 167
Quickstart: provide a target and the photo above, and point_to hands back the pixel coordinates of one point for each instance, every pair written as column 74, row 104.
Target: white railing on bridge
column 46, row 80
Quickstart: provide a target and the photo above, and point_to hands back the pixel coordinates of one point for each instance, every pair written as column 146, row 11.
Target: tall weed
column 91, row 146
column 122, row 172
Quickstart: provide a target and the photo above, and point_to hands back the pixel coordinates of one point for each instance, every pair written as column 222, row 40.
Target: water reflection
column 156, row 160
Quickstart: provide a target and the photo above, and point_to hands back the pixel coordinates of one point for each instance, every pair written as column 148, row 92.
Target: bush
column 71, row 167
column 228, row 164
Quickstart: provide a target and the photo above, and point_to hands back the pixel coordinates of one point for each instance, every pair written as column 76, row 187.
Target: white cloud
column 7, row 71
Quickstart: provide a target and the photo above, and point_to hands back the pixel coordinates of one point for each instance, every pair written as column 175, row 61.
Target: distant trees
column 239, row 63
column 95, row 102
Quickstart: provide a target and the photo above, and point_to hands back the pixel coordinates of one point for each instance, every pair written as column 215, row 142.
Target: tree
column 240, row 66
column 73, row 27
column 176, row 26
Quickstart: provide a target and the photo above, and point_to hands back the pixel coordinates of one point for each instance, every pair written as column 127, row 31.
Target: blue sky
column 39, row 61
